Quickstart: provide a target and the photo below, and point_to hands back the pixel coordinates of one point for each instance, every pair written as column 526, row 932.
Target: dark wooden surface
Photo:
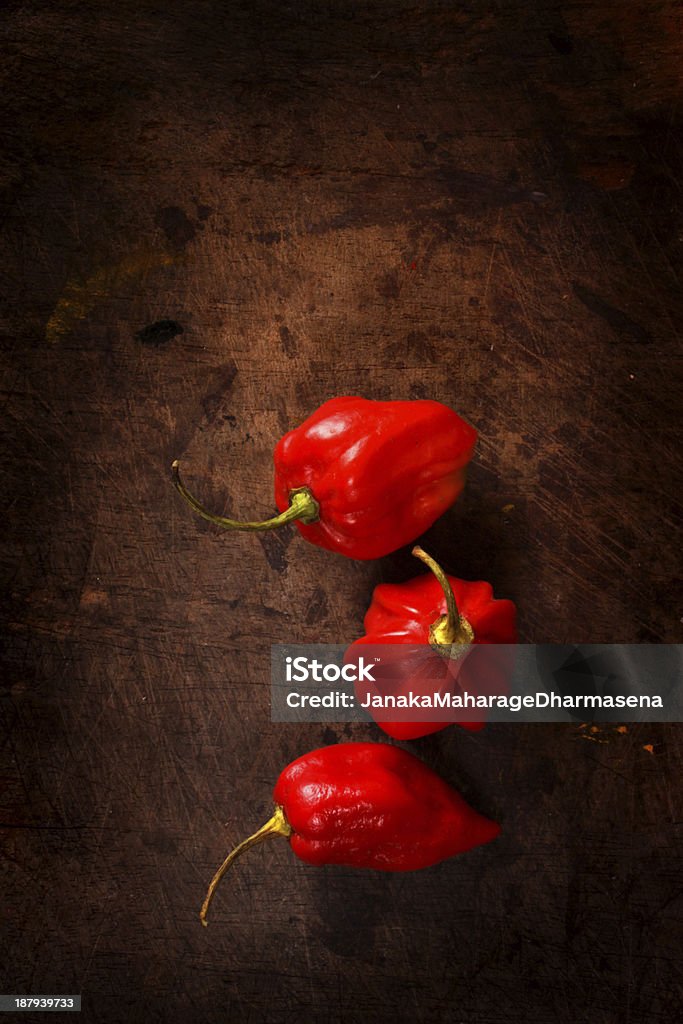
column 478, row 203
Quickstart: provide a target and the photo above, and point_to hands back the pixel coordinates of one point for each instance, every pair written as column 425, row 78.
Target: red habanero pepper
column 366, row 805
column 362, row 477
column 449, row 614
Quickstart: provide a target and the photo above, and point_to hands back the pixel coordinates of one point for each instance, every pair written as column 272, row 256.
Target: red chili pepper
column 451, row 615
column 362, row 477
column 367, row 805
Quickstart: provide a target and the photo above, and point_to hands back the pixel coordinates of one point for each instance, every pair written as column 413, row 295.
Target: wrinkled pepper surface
column 367, row 805
column 452, row 616
column 363, row 477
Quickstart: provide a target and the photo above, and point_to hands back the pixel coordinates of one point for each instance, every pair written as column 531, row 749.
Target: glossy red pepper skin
column 381, row 472
column 402, row 613
column 371, row 805
column 366, row 805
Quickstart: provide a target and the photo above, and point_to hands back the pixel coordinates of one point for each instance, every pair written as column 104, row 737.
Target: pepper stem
column 452, row 629
column 303, row 507
column 277, row 826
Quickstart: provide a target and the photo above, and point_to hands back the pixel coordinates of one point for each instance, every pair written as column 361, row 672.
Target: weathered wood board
column 477, row 203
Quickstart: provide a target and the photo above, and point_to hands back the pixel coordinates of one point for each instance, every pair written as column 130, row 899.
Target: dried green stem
column 276, row 826
column 303, row 507
column 450, row 630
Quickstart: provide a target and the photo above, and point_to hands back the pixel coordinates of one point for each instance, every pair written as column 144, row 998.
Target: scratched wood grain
column 215, row 217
